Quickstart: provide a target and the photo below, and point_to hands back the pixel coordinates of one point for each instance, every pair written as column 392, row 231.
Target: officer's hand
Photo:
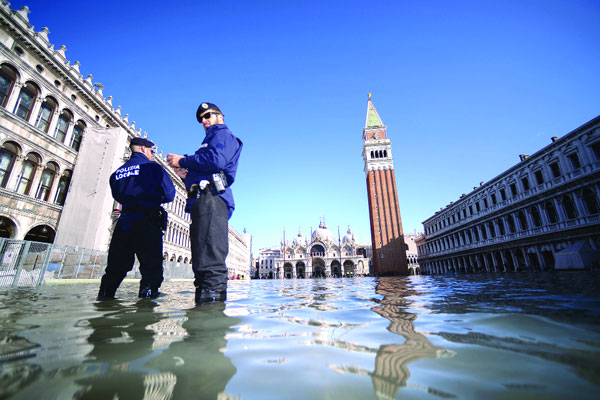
column 181, row 172
column 173, row 160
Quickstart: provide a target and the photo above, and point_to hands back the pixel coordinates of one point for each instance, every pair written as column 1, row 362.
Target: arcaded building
column 526, row 216
column 60, row 139
column 321, row 256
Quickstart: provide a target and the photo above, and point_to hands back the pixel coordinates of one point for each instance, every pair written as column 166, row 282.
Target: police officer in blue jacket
column 208, row 175
column 140, row 186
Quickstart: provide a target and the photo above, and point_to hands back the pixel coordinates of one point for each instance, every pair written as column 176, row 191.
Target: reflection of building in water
column 322, row 256
column 389, row 251
column 523, row 218
column 391, row 364
column 54, row 140
column 391, row 360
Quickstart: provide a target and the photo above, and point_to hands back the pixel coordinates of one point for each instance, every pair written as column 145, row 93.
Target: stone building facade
column 266, row 263
column 49, row 116
column 412, row 254
column 321, row 256
column 524, row 217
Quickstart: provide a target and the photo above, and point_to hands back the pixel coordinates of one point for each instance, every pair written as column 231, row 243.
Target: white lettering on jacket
column 127, row 171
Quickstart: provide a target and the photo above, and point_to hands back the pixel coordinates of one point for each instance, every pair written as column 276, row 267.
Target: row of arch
column 27, row 100
column 38, row 232
column 520, row 182
column 175, row 258
column 319, row 269
column 177, row 234
column 318, row 250
column 548, row 212
column 530, row 258
column 379, row 154
column 25, row 172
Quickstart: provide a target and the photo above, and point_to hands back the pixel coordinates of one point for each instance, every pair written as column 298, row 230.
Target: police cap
column 205, row 107
column 139, row 141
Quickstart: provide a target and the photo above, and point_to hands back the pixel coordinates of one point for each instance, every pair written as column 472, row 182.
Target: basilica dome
column 349, row 237
column 299, row 240
column 322, row 233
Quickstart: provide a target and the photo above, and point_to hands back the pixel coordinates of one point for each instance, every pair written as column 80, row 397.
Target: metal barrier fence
column 23, row 263
column 26, row 263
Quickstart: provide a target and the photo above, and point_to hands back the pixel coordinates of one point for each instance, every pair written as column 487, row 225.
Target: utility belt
column 155, row 213
column 218, row 182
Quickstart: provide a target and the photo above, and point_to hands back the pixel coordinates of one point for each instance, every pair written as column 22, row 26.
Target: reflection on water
column 141, row 354
column 479, row 336
column 391, row 364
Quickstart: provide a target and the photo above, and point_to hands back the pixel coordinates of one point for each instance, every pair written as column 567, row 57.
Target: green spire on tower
column 373, row 119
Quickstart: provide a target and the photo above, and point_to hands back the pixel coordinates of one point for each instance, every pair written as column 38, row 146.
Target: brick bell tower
column 389, row 251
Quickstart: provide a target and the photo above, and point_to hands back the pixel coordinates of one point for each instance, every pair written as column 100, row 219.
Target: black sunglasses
column 208, row 114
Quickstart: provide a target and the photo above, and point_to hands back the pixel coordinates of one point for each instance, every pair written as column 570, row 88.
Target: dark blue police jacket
column 138, row 184
column 220, row 151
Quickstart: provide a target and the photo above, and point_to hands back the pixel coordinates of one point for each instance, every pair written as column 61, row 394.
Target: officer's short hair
column 203, row 107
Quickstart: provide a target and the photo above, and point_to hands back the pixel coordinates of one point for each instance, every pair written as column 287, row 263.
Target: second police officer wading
column 140, row 186
column 208, row 175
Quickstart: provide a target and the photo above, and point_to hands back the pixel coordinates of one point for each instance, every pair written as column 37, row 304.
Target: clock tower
column 387, row 237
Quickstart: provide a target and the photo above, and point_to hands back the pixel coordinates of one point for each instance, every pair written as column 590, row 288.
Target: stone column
column 485, row 262
column 37, row 175
column 53, row 188
column 11, row 184
column 14, row 96
column 562, row 217
column 514, row 260
column 53, row 124
column 540, row 257
column 69, row 134
column 37, row 104
column 494, row 262
column 579, row 206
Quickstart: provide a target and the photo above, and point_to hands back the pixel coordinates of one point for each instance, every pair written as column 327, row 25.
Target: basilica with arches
column 321, row 256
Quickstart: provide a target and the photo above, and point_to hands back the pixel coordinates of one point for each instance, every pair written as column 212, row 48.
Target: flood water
column 503, row 336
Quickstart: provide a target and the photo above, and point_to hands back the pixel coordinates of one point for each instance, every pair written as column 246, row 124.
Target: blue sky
column 464, row 87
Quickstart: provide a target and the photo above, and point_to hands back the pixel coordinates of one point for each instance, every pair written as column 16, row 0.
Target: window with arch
column 551, row 212
column 522, row 220
column 8, row 77
column 535, row 215
column 63, row 125
column 501, row 227
column 27, row 173
column 511, row 223
column 591, row 201
column 8, row 154
column 77, row 135
column 574, row 159
column 569, row 207
column 26, row 99
column 46, row 112
column 46, row 181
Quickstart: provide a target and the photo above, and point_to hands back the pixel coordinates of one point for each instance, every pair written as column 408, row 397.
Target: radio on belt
column 218, row 182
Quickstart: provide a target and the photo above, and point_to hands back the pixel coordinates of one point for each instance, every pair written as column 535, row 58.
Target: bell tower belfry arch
column 387, row 237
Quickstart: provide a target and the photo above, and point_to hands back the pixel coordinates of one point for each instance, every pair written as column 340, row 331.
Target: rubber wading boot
column 148, row 293
column 105, row 293
column 207, row 296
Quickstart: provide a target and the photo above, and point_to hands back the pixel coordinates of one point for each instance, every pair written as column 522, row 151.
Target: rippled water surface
column 526, row 336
